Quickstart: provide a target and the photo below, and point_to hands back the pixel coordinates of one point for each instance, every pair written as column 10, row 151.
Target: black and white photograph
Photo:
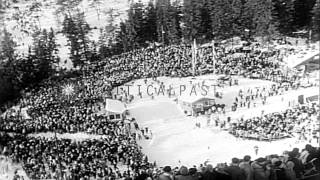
column 159, row 89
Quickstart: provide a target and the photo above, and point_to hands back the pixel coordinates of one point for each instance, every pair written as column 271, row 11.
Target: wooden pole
column 213, row 58
column 194, row 54
column 319, row 90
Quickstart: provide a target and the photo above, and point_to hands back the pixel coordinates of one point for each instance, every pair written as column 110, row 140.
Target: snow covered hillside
column 23, row 17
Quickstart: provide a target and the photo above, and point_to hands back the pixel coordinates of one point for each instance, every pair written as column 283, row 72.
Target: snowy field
column 176, row 141
column 7, row 169
column 21, row 21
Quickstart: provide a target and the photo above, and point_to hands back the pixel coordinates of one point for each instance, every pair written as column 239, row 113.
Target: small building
column 192, row 105
column 115, row 109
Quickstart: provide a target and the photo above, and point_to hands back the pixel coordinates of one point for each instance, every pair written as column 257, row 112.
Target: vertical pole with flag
column 213, row 58
column 194, row 54
column 319, row 86
column 310, row 35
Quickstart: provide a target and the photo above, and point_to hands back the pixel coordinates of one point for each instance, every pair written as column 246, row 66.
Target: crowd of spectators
column 277, row 125
column 250, row 97
column 291, row 165
column 111, row 157
column 52, row 111
column 103, row 159
column 175, row 60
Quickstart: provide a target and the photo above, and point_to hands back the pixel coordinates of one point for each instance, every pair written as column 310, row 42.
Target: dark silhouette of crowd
column 291, row 165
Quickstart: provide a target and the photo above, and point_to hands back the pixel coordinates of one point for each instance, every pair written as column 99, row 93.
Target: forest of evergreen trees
column 160, row 22
column 170, row 22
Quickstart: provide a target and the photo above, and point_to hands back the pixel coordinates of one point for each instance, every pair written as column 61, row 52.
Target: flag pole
column 213, row 58
column 319, row 88
column 194, row 54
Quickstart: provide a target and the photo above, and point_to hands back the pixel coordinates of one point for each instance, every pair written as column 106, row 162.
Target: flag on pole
column 213, row 57
column 194, row 54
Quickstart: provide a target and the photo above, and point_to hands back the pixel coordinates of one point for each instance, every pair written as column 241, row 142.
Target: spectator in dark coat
column 278, row 172
column 167, row 174
column 210, row 173
column 221, row 173
column 142, row 176
column 260, row 169
column 183, row 174
column 234, row 170
column 295, row 163
column 195, row 174
column 246, row 167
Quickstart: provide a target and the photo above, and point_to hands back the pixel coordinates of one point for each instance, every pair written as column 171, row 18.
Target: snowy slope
column 24, row 17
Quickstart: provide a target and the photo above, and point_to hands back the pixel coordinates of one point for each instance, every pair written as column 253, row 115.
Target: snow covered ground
column 297, row 59
column 7, row 169
column 176, row 141
column 25, row 17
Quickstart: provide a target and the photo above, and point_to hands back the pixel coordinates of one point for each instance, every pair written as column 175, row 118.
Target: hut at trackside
column 192, row 105
column 115, row 109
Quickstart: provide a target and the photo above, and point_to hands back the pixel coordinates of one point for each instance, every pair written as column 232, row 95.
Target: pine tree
column 7, row 46
column 122, row 38
column 248, row 14
column 136, row 22
column 131, row 29
column 173, row 24
column 76, row 30
column 237, row 17
column 316, row 19
column 303, row 13
column 258, row 18
column 52, row 47
column 121, row 42
column 205, row 31
column 283, row 13
column 222, row 18
column 192, row 19
column 162, row 7
column 71, row 32
column 7, row 91
column 44, row 54
column 7, row 68
column 150, row 23
column 26, row 70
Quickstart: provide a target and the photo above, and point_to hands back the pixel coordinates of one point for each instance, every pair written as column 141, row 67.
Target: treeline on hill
column 159, row 22
column 170, row 22
column 20, row 72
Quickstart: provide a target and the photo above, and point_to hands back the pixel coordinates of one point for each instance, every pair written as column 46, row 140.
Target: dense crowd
column 278, row 125
column 291, row 165
column 50, row 110
column 175, row 60
column 52, row 158
column 104, row 159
